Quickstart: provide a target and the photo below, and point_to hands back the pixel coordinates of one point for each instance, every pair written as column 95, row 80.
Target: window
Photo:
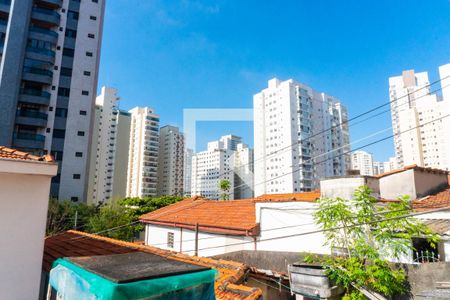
column 89, row 53
column 93, row 18
column 69, row 52
column 87, row 73
column 84, row 93
column 95, row 1
column 74, row 199
column 73, row 14
column 170, row 238
column 61, row 112
column 65, row 92
column 66, row 71
column 57, row 155
column 83, row 113
column 59, row 133
column 80, row 133
column 78, row 154
column 76, row 176
column 91, row 35
column 71, row 33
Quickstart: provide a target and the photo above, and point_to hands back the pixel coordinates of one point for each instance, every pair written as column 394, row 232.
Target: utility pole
column 196, row 239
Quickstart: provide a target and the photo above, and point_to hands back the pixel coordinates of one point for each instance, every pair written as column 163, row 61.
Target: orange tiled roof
column 439, row 200
column 236, row 217
column 75, row 243
column 415, row 167
column 6, row 152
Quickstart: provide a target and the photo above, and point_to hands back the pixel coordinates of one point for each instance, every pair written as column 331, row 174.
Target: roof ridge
column 166, row 210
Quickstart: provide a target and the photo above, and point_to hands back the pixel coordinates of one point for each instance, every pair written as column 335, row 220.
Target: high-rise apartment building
column 103, row 147
column 242, row 162
column 50, row 51
column 363, row 162
column 420, row 125
column 143, row 153
column 187, row 172
column 170, row 161
column 301, row 135
column 119, row 186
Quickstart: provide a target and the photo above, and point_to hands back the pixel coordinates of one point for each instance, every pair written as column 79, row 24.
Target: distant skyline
column 218, row 54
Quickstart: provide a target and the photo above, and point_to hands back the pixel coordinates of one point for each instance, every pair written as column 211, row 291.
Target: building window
column 59, row 133
column 90, row 54
column 73, row 14
column 80, row 133
column 65, row 92
column 87, row 73
column 93, row 18
column 66, row 71
column 91, row 35
column 83, row 112
column 170, row 238
column 76, row 176
column 74, row 199
column 78, row 154
column 61, row 112
column 71, row 33
column 69, row 52
column 84, row 93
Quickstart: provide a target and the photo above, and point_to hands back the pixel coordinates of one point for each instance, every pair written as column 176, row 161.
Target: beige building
column 170, row 161
column 24, row 193
column 121, row 155
column 422, row 119
column 142, row 170
column 363, row 162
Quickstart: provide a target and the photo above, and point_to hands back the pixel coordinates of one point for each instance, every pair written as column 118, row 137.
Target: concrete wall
column 184, row 241
column 425, row 276
column 24, row 194
column 344, row 187
column 428, row 183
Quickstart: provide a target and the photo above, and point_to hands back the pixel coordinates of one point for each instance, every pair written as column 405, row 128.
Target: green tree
column 368, row 233
column 224, row 186
column 61, row 215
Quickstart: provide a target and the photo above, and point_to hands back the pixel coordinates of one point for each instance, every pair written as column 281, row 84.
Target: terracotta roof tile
column 410, row 167
column 9, row 153
column 75, row 243
column 235, row 217
column 439, row 200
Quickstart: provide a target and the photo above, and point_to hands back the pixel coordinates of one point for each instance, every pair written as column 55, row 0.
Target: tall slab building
column 300, row 135
column 50, row 52
column 420, row 119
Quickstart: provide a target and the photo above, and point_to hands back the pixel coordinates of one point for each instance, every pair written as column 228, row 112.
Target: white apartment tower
column 218, row 163
column 170, row 161
column 300, row 136
column 419, row 119
column 143, row 153
column 363, row 161
column 103, row 146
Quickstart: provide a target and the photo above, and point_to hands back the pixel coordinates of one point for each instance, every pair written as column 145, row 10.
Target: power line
column 347, row 121
column 329, row 229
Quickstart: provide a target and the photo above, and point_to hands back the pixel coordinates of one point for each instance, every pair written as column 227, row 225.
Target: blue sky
column 172, row 55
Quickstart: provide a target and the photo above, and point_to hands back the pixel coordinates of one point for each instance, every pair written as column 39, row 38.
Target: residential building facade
column 142, row 171
column 170, row 161
column 103, row 149
column 242, row 162
column 363, row 161
column 122, row 149
column 50, row 52
column 187, row 172
column 300, row 135
column 419, row 119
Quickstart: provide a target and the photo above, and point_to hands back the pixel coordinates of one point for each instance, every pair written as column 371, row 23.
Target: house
column 284, row 222
column 24, row 193
column 90, row 250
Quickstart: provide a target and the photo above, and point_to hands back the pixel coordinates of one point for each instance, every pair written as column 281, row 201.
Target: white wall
column 24, row 194
column 209, row 244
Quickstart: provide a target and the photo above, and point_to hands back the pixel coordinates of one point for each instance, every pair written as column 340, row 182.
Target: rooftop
column 75, row 243
column 237, row 217
column 438, row 200
column 412, row 167
column 9, row 153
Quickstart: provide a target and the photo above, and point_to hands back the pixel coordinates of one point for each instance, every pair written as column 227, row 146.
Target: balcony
column 4, row 6
column 34, row 96
column 41, row 54
column 31, row 118
column 50, row 3
column 42, row 34
column 45, row 17
column 37, row 75
column 28, row 140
